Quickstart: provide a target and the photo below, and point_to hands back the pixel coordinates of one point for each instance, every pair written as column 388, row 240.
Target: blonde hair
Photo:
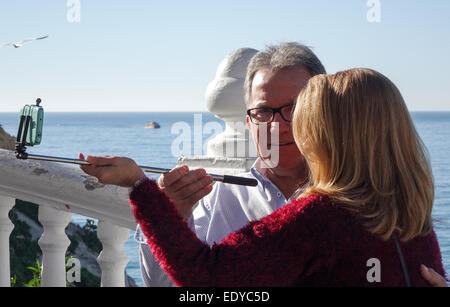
column 363, row 151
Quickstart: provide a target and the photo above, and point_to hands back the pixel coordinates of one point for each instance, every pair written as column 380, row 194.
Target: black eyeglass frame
column 274, row 111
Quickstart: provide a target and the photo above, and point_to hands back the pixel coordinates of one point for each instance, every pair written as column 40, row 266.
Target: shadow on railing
column 61, row 190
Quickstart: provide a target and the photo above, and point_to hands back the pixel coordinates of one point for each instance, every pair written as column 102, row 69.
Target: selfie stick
column 21, row 142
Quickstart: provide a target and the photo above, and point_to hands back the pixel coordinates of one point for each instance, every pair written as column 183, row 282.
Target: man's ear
column 247, row 120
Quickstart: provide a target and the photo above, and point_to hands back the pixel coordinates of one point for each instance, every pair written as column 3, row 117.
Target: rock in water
column 152, row 125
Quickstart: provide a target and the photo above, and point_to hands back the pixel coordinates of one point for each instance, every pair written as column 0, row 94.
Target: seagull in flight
column 19, row 44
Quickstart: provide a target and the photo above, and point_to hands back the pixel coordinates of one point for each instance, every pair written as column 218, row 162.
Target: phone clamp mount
column 31, row 119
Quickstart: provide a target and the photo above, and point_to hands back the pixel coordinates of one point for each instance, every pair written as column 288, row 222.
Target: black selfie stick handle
column 240, row 180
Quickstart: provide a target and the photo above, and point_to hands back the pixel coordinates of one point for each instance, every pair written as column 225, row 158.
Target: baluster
column 112, row 259
column 6, row 204
column 54, row 243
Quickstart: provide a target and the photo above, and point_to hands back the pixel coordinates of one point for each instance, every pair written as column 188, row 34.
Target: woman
column 368, row 206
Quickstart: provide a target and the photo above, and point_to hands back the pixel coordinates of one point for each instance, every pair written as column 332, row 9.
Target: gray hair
column 277, row 57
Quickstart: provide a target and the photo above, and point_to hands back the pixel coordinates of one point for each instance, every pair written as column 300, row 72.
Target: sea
column 124, row 134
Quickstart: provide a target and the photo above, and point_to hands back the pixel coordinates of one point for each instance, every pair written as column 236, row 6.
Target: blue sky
column 144, row 55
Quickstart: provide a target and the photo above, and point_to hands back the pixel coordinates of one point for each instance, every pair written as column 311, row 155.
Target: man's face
column 277, row 89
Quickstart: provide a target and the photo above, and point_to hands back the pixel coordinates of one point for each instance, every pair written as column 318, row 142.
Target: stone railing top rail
column 63, row 187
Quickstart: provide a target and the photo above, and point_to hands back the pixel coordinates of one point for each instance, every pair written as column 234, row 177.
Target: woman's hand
column 121, row 171
column 434, row 278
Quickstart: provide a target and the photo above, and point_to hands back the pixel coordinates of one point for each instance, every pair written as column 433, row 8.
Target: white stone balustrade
column 54, row 243
column 112, row 259
column 6, row 226
column 61, row 190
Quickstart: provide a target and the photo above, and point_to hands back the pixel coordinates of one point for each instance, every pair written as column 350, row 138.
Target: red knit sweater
column 309, row 242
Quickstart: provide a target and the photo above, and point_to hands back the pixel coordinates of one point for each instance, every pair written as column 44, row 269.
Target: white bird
column 19, row 44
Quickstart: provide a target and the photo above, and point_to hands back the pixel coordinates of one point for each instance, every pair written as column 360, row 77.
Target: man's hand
column 119, row 171
column 185, row 188
column 435, row 279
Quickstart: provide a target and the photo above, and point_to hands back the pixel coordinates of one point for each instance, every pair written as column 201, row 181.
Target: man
column 274, row 79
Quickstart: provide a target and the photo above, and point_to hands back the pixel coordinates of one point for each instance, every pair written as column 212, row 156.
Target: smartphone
column 31, row 121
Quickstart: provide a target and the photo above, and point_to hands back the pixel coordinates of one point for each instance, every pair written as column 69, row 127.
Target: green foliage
column 25, row 252
column 90, row 238
column 29, row 209
column 13, row 281
column 88, row 279
column 37, row 273
column 90, row 225
column 73, row 244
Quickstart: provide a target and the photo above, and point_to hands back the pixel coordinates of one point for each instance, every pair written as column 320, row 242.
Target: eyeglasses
column 267, row 114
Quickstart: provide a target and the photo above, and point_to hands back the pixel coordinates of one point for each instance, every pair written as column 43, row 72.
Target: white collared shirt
column 226, row 209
